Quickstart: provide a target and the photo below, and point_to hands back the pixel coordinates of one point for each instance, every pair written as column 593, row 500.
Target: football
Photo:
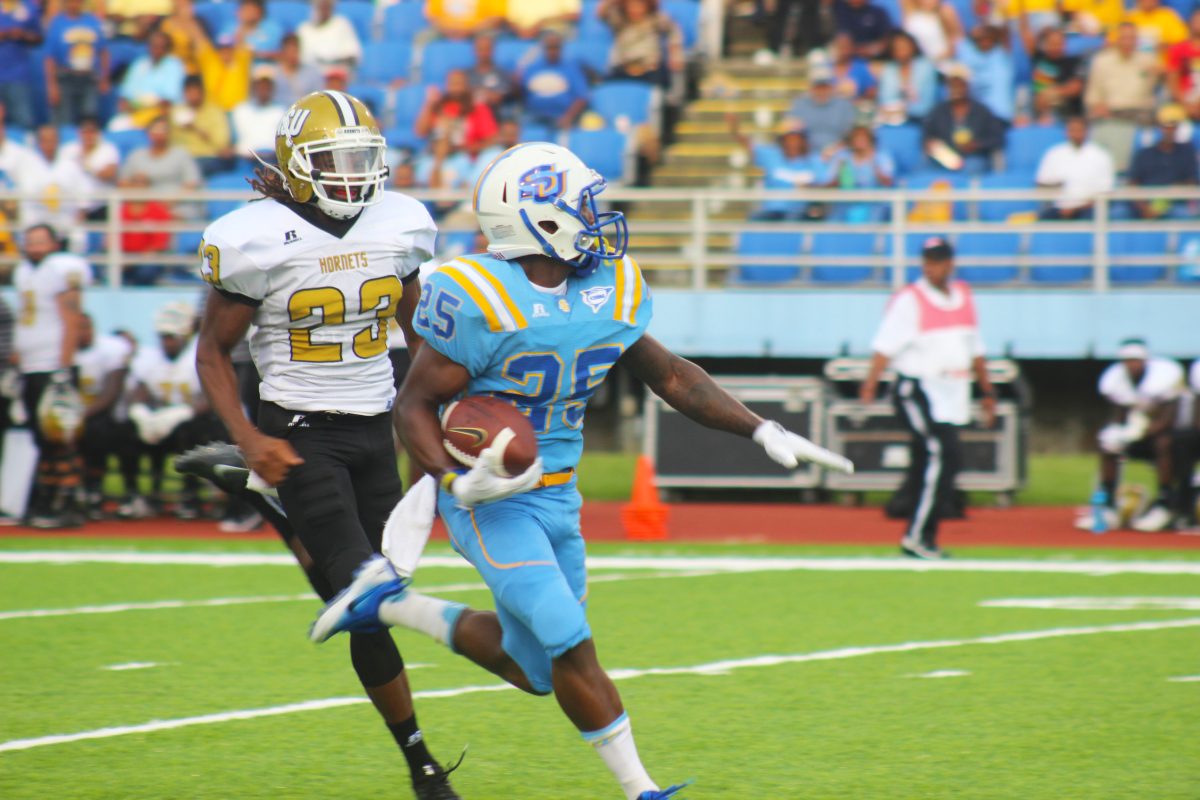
column 473, row 424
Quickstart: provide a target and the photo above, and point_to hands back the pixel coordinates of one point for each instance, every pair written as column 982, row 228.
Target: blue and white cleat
column 356, row 608
column 663, row 794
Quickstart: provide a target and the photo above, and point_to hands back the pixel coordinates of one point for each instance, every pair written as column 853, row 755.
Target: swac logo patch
column 542, row 184
column 292, row 123
column 596, row 296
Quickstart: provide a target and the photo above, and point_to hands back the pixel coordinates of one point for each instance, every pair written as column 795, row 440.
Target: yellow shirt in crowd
column 464, row 13
column 226, row 84
column 1161, row 27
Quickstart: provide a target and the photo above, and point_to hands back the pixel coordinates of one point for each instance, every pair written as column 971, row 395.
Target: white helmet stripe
column 344, row 107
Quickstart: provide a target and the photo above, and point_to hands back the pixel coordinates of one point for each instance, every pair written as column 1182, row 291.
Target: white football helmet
column 175, row 319
column 540, row 199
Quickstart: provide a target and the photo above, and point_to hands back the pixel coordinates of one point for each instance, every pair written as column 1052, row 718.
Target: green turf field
column 1076, row 708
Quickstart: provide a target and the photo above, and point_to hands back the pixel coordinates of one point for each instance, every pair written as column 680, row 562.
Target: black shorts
column 1141, row 450
column 401, row 361
column 339, row 499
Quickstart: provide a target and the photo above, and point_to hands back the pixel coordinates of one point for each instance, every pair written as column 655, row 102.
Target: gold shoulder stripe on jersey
column 468, row 286
column 515, row 313
column 630, row 290
column 639, row 290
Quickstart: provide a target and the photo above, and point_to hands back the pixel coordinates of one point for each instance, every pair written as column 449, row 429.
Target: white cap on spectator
column 1133, row 350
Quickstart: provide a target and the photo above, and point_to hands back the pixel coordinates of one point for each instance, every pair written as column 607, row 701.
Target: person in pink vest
column 930, row 335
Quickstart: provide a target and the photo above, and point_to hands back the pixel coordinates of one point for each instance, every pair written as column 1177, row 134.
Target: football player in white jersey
column 1145, row 394
column 49, row 284
column 167, row 406
column 319, row 267
column 102, row 364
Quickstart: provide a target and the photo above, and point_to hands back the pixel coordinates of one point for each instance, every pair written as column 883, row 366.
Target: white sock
column 429, row 615
column 616, row 747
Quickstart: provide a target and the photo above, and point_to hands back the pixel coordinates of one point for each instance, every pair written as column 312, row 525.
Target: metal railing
column 689, row 238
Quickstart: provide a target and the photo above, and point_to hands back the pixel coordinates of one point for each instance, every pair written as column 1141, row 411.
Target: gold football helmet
column 329, row 147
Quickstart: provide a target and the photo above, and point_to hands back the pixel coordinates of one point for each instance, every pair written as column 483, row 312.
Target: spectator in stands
column 1158, row 26
column 201, row 127
column 935, row 25
column 462, row 19
column 1057, row 77
column 1183, row 69
column 98, row 160
column 867, row 25
column 807, row 31
column 255, row 121
column 454, row 114
column 907, row 81
column 76, row 63
column 178, row 27
column 20, row 33
column 53, row 185
column 1080, row 168
column 859, row 164
column 960, row 133
column 293, row 78
column 135, row 19
column 224, row 68
column 648, row 45
column 529, row 19
column 1093, row 17
column 1119, row 95
column 987, row 56
column 492, row 85
column 151, row 80
column 161, row 165
column 263, row 36
column 16, row 160
column 337, row 79
column 1167, row 162
column 457, row 167
column 786, row 164
column 328, row 39
column 554, row 88
column 826, row 115
column 852, row 77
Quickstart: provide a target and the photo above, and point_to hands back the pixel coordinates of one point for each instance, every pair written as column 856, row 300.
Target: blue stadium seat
column 629, row 99
column 288, row 14
column 842, row 246
column 761, row 243
column 1001, row 210
column 384, row 62
column 594, row 52
column 531, row 132
column 188, row 243
column 1025, row 146
column 225, row 181
column 589, row 21
column 686, row 14
column 1136, row 243
column 128, row 141
column 1189, row 253
column 1078, row 245
column 123, row 52
column 988, row 245
column 1084, row 46
column 439, row 58
column 216, row 17
column 402, row 21
column 602, row 150
column 361, row 16
column 455, row 243
column 1183, row 7
column 407, row 106
column 966, row 14
column 510, row 52
column 374, row 96
column 912, row 255
column 68, row 134
column 903, row 144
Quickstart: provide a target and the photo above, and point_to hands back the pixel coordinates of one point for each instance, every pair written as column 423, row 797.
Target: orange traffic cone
column 645, row 516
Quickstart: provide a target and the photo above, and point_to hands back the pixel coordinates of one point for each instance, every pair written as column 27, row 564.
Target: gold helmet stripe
column 345, row 108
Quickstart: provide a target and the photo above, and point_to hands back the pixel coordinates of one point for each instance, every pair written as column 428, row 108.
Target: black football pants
column 934, row 459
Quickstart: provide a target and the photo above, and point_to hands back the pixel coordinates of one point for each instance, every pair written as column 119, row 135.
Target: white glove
column 486, row 482
column 154, row 425
column 789, row 449
column 409, row 525
column 141, row 415
column 1114, row 438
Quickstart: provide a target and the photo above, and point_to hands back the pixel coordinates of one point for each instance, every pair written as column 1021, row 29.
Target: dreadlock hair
column 269, row 184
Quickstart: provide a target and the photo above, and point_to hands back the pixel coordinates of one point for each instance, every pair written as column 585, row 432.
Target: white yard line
column 1185, row 679
column 662, row 563
column 941, row 673
column 1115, row 603
column 132, row 665
column 711, row 668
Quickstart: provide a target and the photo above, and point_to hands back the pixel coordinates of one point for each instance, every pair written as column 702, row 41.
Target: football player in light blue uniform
column 538, row 321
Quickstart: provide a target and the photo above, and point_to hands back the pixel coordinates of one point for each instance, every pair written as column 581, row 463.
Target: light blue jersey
column 544, row 352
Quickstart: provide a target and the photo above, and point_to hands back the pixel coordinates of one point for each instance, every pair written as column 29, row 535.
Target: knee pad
column 375, row 658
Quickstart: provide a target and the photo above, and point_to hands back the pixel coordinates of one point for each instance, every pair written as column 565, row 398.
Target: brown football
column 471, row 425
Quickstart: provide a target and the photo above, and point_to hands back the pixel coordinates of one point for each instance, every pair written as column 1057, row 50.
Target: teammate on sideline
column 538, row 320
column 319, row 267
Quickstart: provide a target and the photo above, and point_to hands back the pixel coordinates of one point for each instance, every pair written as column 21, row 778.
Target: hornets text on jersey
column 324, row 303
column 544, row 350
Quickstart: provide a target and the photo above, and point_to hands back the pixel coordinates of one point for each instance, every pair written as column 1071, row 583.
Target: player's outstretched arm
column 224, row 325
column 692, row 391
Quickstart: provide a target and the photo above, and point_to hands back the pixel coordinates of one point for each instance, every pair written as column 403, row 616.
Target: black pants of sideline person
column 337, row 502
column 935, row 457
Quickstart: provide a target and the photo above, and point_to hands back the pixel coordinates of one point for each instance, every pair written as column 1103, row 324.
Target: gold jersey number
column 327, row 306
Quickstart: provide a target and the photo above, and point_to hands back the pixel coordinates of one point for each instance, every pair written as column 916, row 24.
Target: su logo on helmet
column 542, row 184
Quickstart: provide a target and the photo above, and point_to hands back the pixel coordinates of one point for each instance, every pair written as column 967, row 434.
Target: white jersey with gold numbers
column 170, row 381
column 39, row 331
column 324, row 303
column 106, row 355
